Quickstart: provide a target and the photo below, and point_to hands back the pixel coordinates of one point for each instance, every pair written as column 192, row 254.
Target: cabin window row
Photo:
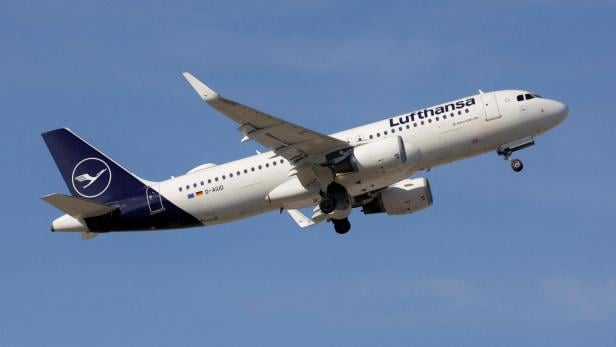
column 232, row 174
column 416, row 124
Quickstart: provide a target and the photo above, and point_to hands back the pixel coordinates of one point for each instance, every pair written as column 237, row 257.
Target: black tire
column 342, row 226
column 517, row 165
column 327, row 205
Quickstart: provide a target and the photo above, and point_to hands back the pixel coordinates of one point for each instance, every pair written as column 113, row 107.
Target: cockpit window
column 523, row 97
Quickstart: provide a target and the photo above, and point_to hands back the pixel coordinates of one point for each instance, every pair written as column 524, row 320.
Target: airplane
column 367, row 167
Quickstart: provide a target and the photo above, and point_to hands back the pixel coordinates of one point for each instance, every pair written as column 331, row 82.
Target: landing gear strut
column 342, row 226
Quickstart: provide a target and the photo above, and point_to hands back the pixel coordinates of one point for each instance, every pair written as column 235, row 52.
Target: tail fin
column 88, row 172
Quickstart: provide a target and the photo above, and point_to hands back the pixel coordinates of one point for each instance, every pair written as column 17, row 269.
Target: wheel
column 516, row 165
column 327, row 205
column 342, row 226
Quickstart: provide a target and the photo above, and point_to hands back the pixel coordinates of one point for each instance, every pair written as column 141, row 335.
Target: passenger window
column 216, row 179
column 444, row 116
column 245, row 171
column 202, row 183
column 281, row 161
column 408, row 126
column 378, row 134
column 266, row 164
column 237, row 173
column 415, row 125
column 209, row 181
column 224, row 177
column 180, row 188
column 384, row 132
column 520, row 97
column 400, row 128
column 231, row 175
column 371, row 137
column 466, row 110
column 429, row 120
column 260, row 167
column 393, row 131
column 252, row 169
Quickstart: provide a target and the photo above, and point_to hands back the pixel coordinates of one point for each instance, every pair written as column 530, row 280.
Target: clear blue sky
column 500, row 259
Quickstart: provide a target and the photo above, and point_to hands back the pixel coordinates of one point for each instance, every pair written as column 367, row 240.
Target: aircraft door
column 490, row 106
column 155, row 201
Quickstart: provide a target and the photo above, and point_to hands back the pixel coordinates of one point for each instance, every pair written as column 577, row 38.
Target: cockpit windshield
column 523, row 97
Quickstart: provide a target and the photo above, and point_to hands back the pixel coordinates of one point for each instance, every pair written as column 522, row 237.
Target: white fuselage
column 240, row 188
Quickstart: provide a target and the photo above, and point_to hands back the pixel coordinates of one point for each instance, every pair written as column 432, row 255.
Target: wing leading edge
column 286, row 139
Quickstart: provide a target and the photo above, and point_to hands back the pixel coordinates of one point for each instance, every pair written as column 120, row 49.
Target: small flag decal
column 199, row 193
column 191, row 195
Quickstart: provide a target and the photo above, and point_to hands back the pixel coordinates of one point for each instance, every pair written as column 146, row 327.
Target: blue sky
column 500, row 259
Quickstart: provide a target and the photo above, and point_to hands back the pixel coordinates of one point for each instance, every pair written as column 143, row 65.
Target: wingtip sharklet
column 206, row 93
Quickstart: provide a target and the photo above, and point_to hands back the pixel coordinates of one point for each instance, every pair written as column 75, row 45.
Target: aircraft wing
column 286, row 139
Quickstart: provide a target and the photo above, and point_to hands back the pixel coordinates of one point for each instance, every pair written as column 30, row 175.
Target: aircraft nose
column 559, row 111
column 562, row 111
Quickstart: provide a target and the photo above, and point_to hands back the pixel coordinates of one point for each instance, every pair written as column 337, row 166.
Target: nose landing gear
column 507, row 150
column 516, row 164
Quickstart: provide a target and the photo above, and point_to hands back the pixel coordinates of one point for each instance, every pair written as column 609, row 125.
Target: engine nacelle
column 406, row 196
column 379, row 156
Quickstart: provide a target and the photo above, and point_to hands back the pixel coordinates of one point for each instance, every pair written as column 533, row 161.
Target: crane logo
column 91, row 177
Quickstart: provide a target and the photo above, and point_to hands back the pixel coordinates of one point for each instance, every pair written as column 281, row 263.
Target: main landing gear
column 327, row 204
column 342, row 226
column 336, row 205
column 507, row 150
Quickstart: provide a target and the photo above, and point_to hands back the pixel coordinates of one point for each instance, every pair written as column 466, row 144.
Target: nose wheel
column 517, row 165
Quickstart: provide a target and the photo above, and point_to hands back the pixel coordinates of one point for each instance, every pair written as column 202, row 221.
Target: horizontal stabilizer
column 77, row 207
column 301, row 218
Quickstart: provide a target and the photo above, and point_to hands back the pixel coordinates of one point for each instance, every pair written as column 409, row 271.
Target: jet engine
column 406, row 196
column 378, row 156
